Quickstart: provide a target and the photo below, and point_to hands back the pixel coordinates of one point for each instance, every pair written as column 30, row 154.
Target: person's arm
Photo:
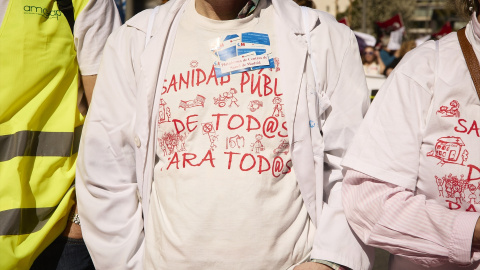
column 88, row 85
column 381, row 65
column 73, row 230
column 395, row 219
column 334, row 240
column 93, row 24
column 109, row 208
column 476, row 236
column 89, row 49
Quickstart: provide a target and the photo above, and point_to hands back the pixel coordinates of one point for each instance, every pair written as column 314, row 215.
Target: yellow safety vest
column 40, row 127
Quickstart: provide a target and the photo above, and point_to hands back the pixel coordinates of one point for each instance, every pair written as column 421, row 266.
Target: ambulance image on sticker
column 247, row 52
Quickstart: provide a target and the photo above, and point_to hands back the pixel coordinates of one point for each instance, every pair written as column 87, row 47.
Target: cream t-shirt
column 225, row 195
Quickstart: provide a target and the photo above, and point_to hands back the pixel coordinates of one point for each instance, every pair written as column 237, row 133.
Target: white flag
column 419, row 41
column 368, row 39
column 396, row 38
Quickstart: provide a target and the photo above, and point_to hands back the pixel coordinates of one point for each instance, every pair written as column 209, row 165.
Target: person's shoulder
column 449, row 41
column 419, row 65
column 328, row 20
column 422, row 57
column 132, row 32
column 427, row 53
column 424, row 53
column 140, row 20
column 449, row 48
column 329, row 28
column 338, row 37
column 138, row 25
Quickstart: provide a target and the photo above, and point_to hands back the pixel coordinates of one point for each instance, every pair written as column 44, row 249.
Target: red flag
column 446, row 29
column 344, row 20
column 391, row 24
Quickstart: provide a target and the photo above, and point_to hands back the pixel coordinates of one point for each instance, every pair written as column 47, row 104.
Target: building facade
column 332, row 6
column 430, row 16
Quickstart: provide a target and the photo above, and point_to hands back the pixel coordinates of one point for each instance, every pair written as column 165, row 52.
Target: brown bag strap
column 470, row 58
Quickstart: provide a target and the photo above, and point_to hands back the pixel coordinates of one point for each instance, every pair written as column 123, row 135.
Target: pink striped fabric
column 395, row 219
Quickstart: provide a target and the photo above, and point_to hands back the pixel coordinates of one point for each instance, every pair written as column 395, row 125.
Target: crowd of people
column 210, row 134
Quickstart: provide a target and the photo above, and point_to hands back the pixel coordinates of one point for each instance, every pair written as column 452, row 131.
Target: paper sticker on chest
column 247, row 52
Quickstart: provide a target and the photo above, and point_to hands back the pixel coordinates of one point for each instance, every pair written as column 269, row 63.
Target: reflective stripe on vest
column 39, row 128
column 37, row 143
column 24, row 221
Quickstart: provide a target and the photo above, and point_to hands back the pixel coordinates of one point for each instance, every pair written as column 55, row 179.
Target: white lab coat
column 117, row 152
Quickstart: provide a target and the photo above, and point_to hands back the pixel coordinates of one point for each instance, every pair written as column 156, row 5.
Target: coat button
column 137, row 142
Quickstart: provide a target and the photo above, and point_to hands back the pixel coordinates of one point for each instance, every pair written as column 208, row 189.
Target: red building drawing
column 448, row 150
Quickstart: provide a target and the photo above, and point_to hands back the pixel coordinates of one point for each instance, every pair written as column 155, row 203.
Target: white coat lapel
column 292, row 50
column 152, row 57
column 154, row 64
column 154, row 61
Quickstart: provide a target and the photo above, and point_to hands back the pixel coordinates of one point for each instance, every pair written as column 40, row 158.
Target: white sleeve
column 108, row 204
column 388, row 142
column 334, row 239
column 92, row 27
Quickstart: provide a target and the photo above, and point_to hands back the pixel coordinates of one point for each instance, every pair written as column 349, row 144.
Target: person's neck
column 219, row 9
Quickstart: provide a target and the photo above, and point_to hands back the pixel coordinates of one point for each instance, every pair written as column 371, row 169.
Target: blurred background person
column 385, row 53
column 372, row 62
